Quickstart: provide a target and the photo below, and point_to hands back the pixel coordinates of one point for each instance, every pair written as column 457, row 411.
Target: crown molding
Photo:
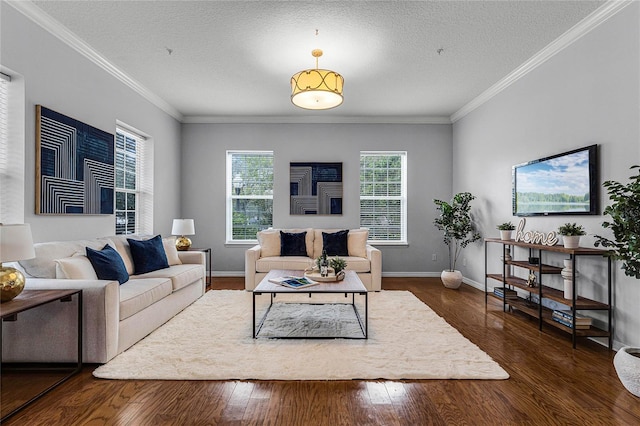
column 315, row 119
column 37, row 15
column 576, row 32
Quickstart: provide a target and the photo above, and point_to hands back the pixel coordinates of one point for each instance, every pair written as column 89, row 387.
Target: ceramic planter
column 451, row 279
column 505, row 235
column 571, row 241
column 628, row 368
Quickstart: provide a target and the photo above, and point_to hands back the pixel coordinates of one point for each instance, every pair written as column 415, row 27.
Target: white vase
column 567, row 274
column 505, row 235
column 451, row 279
column 628, row 368
column 571, row 241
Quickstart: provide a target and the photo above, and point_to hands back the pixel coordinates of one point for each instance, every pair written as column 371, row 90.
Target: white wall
column 588, row 93
column 58, row 77
column 429, row 176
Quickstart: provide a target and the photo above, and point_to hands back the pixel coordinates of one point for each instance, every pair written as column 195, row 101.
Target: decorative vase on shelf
column 567, row 274
column 507, row 258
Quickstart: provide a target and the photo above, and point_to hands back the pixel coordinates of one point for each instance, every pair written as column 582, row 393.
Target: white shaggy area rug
column 212, row 340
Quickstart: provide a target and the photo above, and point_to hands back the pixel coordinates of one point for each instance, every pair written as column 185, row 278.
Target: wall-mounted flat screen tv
column 563, row 184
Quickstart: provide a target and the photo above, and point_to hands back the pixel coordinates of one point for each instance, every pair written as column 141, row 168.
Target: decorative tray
column 315, row 276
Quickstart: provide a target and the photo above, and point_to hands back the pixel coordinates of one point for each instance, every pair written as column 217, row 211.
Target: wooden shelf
column 533, row 310
column 543, row 314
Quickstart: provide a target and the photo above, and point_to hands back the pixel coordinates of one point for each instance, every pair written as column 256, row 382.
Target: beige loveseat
column 115, row 316
column 364, row 259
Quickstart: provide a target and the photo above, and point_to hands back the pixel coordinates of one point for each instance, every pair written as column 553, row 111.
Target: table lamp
column 183, row 227
column 16, row 243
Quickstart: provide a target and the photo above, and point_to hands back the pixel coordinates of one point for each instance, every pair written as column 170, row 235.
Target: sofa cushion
column 293, row 244
column 77, row 267
column 148, row 255
column 180, row 275
column 108, row 264
column 44, row 266
column 171, row 251
column 269, row 241
column 296, row 263
column 138, row 294
column 335, row 244
column 357, row 242
column 358, row 264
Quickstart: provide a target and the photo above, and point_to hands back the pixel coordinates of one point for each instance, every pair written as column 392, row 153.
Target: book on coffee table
column 293, row 282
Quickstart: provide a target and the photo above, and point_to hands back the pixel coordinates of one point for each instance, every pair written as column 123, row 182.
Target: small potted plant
column 338, row 264
column 506, row 229
column 571, row 233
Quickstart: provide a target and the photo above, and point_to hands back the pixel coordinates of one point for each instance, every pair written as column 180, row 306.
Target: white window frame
column 402, row 240
column 231, row 196
column 12, row 147
column 144, row 180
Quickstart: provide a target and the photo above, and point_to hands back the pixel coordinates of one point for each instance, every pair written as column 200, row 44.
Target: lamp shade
column 317, row 89
column 183, row 227
column 16, row 243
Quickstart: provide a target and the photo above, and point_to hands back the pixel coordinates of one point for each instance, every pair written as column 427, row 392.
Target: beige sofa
column 364, row 259
column 114, row 316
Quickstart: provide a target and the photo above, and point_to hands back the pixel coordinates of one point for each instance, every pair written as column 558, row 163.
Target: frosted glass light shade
column 183, row 227
column 16, row 243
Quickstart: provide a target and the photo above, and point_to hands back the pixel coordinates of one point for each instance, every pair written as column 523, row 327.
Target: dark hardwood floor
column 550, row 384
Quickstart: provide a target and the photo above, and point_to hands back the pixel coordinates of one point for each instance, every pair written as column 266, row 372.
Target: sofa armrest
column 375, row 257
column 251, row 256
column 193, row 257
column 100, row 319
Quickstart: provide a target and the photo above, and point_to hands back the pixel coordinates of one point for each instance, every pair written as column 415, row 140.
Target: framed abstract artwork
column 315, row 188
column 74, row 166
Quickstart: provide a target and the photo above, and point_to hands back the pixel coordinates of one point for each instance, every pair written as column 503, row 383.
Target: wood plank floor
column 550, row 384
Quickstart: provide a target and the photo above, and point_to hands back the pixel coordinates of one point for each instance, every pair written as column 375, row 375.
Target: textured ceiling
column 236, row 58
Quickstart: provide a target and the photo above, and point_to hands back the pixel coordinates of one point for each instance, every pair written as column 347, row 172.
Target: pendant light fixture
column 316, row 88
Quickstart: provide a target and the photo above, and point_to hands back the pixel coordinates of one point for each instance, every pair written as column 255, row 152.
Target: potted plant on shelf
column 506, row 229
column 625, row 246
column 571, row 233
column 455, row 222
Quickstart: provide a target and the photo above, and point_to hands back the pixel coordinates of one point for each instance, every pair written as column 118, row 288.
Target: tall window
column 249, row 194
column 383, row 195
column 12, row 149
column 134, row 184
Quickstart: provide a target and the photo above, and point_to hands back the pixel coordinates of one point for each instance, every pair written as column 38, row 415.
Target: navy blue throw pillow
column 293, row 244
column 108, row 264
column 148, row 255
column 335, row 244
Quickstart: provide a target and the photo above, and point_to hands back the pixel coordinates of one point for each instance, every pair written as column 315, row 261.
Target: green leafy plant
column 455, row 222
column 338, row 264
column 507, row 226
column 625, row 224
column 571, row 230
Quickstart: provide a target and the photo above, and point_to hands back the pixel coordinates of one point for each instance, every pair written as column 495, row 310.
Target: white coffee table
column 351, row 285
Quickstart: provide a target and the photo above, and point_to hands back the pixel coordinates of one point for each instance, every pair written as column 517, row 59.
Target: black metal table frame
column 78, row 365
column 364, row 325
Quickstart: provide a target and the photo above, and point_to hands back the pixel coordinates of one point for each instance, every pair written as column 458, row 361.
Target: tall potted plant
column 455, row 222
column 625, row 246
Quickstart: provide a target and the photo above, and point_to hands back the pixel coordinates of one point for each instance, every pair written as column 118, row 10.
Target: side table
column 208, row 251
column 32, row 299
